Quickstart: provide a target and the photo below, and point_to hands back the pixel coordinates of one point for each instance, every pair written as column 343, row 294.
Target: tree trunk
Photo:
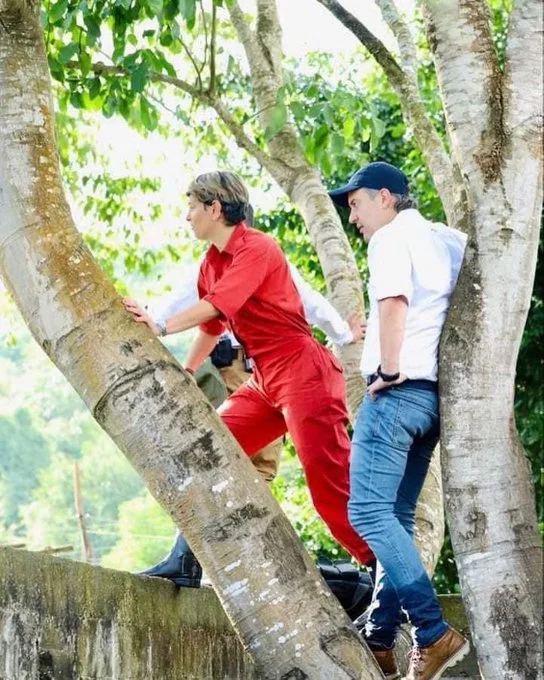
column 495, row 128
column 279, row 605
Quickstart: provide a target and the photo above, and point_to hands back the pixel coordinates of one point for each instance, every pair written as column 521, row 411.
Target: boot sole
column 179, row 581
column 452, row 661
column 185, row 582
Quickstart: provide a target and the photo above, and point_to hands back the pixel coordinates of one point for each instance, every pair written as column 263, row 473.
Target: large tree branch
column 523, row 68
column 264, row 54
column 273, row 166
column 404, row 82
column 246, row 36
column 460, row 38
column 523, row 114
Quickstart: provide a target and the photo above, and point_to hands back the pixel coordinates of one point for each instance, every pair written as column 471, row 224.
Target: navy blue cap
column 377, row 175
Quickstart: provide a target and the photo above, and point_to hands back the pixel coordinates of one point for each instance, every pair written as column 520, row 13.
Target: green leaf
column 84, row 63
column 110, row 106
column 94, row 88
column 188, row 11
column 315, row 110
column 277, row 121
column 349, row 127
column 325, row 162
column 378, row 127
column 148, row 115
column 57, row 11
column 67, row 52
column 93, row 29
column 155, row 6
column 298, row 110
column 56, row 68
column 76, row 100
column 321, row 137
column 89, row 103
column 138, row 77
column 328, row 112
column 337, row 144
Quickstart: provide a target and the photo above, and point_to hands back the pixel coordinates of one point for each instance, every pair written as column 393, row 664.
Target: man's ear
column 386, row 197
column 216, row 209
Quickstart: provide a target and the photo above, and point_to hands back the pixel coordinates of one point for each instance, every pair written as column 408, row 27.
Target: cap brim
column 340, row 196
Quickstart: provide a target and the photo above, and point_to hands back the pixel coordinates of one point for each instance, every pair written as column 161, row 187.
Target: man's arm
column 193, row 316
column 319, row 312
column 392, row 314
column 200, row 348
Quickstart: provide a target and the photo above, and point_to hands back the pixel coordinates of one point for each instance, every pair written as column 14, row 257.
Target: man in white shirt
column 413, row 267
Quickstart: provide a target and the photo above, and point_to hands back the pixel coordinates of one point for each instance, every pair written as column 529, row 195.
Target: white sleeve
column 319, row 311
column 390, row 266
column 183, row 295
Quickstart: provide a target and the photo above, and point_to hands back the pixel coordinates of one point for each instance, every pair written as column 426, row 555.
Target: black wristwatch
column 387, row 377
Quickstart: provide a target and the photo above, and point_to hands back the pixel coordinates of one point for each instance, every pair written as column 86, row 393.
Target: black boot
column 353, row 588
column 180, row 565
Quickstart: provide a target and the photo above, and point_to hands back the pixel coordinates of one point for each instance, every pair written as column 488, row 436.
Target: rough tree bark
column 494, row 122
column 279, row 605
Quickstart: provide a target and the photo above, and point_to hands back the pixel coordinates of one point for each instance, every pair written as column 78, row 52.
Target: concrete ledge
column 64, row 620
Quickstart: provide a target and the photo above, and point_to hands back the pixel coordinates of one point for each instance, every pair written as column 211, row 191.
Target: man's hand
column 140, row 315
column 380, row 384
column 357, row 326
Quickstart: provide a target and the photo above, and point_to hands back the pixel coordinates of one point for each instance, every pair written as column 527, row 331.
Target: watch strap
column 387, row 377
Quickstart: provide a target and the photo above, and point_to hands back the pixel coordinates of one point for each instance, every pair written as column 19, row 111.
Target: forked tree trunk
column 495, row 128
column 278, row 603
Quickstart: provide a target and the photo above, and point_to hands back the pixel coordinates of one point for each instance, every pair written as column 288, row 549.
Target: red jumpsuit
column 297, row 384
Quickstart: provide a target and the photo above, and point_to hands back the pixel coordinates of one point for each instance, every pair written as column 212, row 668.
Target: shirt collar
column 238, row 233
column 409, row 216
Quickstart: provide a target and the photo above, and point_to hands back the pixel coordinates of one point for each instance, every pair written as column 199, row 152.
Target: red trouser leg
column 316, row 420
column 252, row 418
column 315, row 414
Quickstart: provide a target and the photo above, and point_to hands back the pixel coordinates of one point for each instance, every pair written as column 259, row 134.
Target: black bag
column 352, row 587
column 223, row 354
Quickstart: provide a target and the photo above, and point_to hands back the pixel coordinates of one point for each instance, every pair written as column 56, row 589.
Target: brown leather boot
column 386, row 662
column 428, row 663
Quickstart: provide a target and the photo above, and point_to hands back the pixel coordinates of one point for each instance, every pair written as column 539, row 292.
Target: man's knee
column 360, row 516
column 368, row 518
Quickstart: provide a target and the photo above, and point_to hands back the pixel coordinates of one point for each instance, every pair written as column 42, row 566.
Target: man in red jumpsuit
column 297, row 384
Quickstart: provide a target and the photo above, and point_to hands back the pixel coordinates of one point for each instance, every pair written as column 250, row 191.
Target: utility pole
column 86, row 546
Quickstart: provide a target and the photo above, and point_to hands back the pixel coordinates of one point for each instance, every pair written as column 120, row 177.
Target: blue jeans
column 393, row 441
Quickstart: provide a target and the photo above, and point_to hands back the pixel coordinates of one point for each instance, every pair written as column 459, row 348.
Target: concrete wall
column 63, row 620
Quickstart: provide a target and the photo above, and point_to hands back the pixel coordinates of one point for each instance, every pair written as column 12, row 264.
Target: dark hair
column 225, row 187
column 404, row 202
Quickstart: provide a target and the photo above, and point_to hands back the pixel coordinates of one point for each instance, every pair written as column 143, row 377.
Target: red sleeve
column 213, row 326
column 249, row 267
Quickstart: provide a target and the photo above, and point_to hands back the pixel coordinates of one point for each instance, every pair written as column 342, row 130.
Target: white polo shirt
column 420, row 260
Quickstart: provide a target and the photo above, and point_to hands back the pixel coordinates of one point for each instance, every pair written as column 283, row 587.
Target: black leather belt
column 429, row 385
